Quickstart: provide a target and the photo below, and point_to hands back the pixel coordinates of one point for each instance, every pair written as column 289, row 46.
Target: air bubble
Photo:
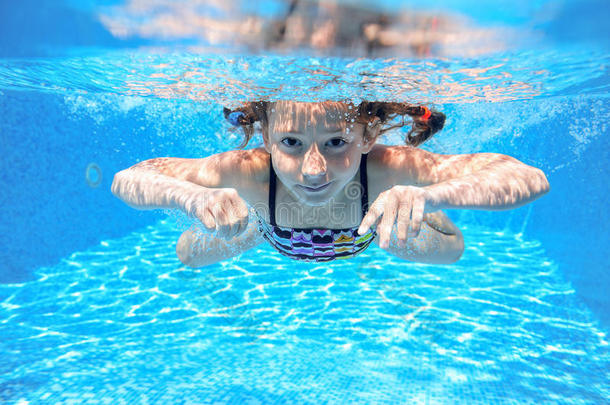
column 93, row 175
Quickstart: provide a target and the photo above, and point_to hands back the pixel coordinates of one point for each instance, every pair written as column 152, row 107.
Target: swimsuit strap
column 271, row 192
column 364, row 198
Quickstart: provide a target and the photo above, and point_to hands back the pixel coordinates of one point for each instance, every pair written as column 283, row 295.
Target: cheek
column 344, row 163
column 285, row 164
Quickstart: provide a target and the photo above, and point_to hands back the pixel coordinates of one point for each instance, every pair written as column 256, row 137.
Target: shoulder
column 238, row 160
column 398, row 156
column 249, row 174
column 405, row 165
column 245, row 170
column 254, row 164
column 234, row 166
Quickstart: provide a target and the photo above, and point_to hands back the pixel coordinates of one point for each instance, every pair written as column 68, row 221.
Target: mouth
column 315, row 189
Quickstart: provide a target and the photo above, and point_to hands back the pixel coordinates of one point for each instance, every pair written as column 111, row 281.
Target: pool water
column 96, row 308
column 124, row 321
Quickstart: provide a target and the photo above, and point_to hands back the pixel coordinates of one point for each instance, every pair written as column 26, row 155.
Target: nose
column 314, row 164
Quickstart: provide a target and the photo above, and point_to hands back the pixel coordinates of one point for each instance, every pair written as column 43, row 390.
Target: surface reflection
column 321, row 27
column 391, row 79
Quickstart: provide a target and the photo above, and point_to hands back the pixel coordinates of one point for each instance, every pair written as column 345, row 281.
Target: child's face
column 316, row 150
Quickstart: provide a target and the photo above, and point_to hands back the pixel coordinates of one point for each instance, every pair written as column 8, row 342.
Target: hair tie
column 234, row 117
column 427, row 114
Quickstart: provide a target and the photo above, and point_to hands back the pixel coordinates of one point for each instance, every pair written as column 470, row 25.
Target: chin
column 317, row 200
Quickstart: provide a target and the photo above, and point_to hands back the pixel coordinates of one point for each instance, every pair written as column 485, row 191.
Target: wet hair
column 425, row 122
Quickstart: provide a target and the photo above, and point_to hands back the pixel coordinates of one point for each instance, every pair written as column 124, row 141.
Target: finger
column 241, row 214
column 417, row 216
column 233, row 224
column 371, row 217
column 230, row 222
column 384, row 229
column 402, row 222
column 239, row 217
column 236, row 229
column 207, row 218
column 222, row 222
column 375, row 224
column 232, row 227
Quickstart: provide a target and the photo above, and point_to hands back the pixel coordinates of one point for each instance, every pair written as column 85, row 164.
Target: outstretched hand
column 222, row 212
column 400, row 205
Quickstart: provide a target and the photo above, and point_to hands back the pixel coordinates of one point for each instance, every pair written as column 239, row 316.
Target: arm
column 194, row 186
column 152, row 184
column 178, row 183
column 438, row 242
column 487, row 181
column 493, row 182
column 195, row 249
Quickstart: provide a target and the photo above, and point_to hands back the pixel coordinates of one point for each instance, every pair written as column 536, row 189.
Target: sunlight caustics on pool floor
column 124, row 321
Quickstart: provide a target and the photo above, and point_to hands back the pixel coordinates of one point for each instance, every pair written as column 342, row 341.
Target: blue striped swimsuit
column 316, row 244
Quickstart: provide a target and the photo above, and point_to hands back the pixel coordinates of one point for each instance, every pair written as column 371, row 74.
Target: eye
column 337, row 142
column 291, row 142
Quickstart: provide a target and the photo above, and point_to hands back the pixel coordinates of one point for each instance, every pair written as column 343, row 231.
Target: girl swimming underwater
column 323, row 189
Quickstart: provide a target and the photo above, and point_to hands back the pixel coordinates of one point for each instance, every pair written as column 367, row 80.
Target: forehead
column 286, row 116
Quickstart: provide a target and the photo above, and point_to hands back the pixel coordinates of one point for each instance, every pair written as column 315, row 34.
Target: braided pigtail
column 425, row 121
column 246, row 116
column 425, row 124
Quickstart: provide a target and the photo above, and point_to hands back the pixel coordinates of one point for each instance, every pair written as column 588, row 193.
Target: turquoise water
column 123, row 321
column 96, row 308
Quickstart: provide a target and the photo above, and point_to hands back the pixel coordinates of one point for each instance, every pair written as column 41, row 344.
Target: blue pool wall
column 50, row 210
